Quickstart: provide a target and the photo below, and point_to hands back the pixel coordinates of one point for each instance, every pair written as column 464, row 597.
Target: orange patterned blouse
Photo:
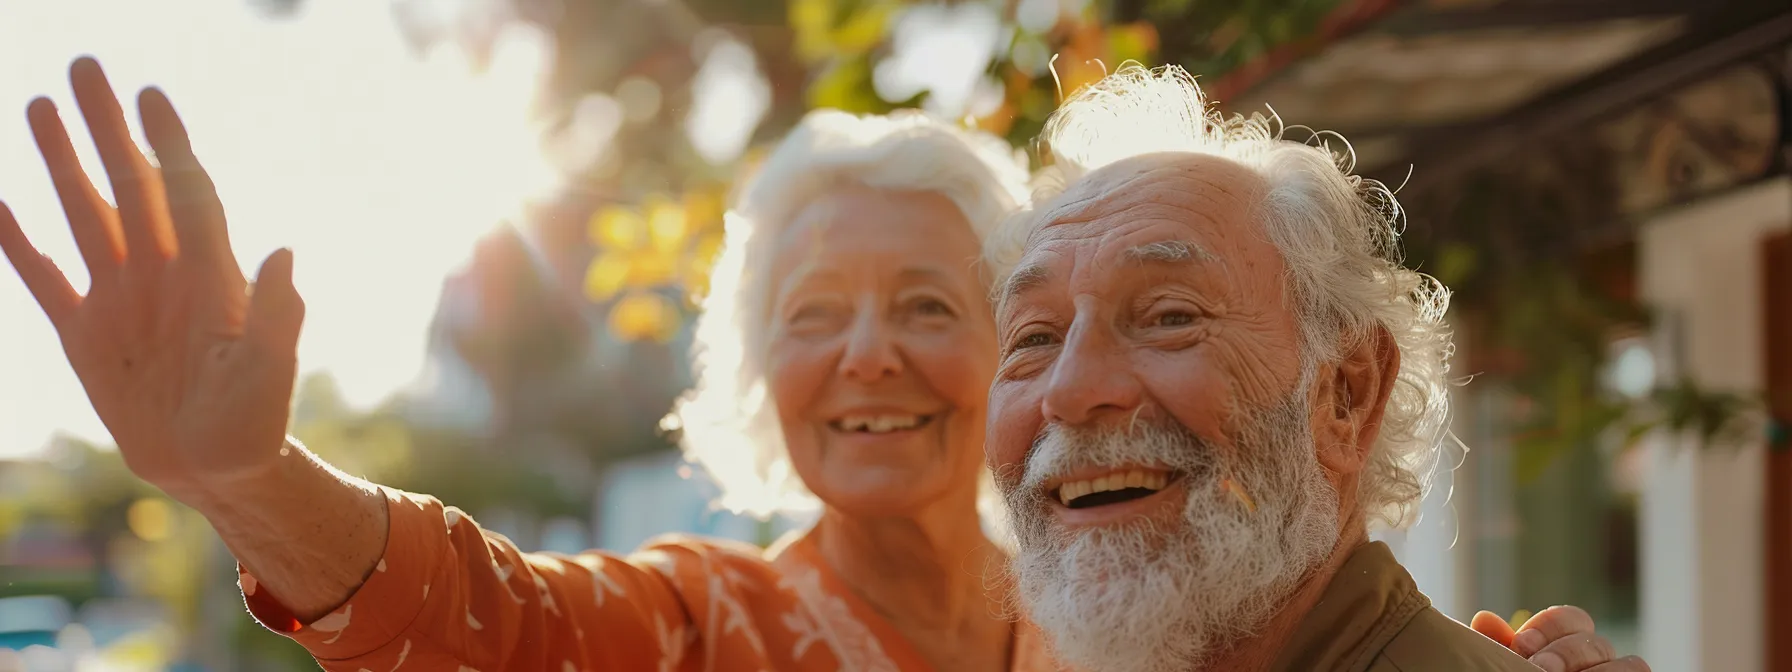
column 449, row 595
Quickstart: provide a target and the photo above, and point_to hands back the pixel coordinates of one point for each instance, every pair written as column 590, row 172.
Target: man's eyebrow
column 1169, row 251
column 1022, row 279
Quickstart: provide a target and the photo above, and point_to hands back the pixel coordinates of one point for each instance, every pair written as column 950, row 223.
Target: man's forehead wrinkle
column 1085, row 198
column 1169, row 251
column 1185, row 193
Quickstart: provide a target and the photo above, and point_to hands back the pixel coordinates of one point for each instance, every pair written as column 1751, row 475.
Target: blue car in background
column 32, row 621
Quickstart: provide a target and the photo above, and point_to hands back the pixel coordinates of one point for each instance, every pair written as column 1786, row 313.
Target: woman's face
column 882, row 350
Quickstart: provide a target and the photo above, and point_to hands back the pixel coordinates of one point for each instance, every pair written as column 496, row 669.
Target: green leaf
column 1531, row 456
column 846, row 85
column 1455, row 263
column 864, row 29
column 1130, row 43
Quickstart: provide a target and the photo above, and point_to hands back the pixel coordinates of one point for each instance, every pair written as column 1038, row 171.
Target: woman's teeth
column 879, row 424
column 1149, row 480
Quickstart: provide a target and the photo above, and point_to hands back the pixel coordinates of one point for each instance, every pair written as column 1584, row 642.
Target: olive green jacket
column 1372, row 618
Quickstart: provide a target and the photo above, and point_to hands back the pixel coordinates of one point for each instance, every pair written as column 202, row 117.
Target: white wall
column 1429, row 548
column 1701, row 513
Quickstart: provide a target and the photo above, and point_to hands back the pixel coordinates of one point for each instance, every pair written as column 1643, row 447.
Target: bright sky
column 323, row 134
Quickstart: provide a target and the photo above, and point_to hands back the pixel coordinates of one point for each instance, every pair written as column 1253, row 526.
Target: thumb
column 275, row 309
column 1494, row 627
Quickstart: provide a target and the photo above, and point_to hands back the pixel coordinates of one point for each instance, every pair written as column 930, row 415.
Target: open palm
column 190, row 371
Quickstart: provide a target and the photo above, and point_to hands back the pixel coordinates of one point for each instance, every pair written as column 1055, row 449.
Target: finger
column 1494, row 627
column 275, row 310
column 1550, row 625
column 136, row 185
column 1574, row 653
column 199, row 225
column 41, row 276
column 1625, row 664
column 90, row 219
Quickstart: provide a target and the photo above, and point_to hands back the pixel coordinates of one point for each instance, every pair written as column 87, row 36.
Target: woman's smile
column 881, row 432
column 879, row 423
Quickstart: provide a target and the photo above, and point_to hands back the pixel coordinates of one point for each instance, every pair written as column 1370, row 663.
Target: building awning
column 1444, row 86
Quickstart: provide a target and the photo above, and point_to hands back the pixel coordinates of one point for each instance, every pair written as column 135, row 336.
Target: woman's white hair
column 1338, row 233
column 728, row 420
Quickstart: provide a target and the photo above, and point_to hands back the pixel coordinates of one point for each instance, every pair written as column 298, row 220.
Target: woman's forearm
column 308, row 533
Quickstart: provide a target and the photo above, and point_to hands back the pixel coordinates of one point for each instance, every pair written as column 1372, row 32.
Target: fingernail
column 1528, row 642
column 1550, row 662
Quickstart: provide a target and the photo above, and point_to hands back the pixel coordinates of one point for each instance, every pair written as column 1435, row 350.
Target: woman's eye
column 809, row 314
column 933, row 307
column 1033, row 340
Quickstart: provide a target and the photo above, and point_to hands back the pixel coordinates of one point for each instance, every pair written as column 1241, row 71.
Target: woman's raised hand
column 190, row 367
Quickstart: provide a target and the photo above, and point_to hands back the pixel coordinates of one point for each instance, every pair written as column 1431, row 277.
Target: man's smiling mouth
column 1121, row 485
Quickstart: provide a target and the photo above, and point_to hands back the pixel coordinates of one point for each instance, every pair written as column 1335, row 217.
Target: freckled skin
column 878, row 302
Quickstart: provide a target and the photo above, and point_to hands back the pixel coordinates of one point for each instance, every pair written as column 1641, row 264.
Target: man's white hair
column 729, row 421
column 1338, row 233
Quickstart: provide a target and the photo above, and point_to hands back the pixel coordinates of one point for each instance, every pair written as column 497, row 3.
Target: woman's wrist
column 308, row 533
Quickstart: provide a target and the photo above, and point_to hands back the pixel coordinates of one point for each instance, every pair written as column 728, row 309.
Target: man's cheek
column 1011, row 424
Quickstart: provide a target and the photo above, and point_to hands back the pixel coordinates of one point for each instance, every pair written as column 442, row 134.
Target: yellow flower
column 635, row 252
column 665, row 243
column 642, row 316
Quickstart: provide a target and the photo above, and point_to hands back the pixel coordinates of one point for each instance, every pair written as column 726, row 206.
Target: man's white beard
column 1157, row 595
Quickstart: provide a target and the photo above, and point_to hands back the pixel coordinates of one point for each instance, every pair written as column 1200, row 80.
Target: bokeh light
column 150, row 518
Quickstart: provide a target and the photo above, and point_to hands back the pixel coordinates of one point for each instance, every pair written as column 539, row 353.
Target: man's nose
column 1092, row 380
column 870, row 350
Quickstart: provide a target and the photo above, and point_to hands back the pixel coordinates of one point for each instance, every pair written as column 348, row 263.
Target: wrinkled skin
column 1101, row 328
column 1103, row 335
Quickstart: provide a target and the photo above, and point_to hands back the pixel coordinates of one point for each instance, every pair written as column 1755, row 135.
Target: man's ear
column 1352, row 400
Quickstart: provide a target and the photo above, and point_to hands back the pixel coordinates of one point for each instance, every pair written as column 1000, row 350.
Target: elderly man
column 1214, row 377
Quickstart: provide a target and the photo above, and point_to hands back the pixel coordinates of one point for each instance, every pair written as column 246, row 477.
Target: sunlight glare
column 323, row 132
column 729, row 98
column 942, row 50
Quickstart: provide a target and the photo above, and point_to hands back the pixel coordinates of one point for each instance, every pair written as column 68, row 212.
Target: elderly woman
column 847, row 354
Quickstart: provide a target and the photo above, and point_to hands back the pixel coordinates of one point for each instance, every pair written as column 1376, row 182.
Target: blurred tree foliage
column 655, row 204
column 1543, row 314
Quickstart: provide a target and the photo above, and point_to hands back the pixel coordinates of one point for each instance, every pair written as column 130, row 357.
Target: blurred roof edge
column 1449, row 85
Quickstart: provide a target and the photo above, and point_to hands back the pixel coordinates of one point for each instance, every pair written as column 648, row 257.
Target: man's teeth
column 880, row 424
column 1120, row 480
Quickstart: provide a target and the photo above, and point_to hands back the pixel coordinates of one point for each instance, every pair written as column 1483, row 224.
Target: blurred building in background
column 1604, row 183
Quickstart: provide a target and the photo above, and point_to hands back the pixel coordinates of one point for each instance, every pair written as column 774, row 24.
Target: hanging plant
column 1544, row 310
column 1712, row 418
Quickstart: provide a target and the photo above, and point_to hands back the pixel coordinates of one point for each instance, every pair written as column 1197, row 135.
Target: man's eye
column 1175, row 319
column 1033, row 340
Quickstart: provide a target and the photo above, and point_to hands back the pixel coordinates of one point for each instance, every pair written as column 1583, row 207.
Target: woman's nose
column 870, row 351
